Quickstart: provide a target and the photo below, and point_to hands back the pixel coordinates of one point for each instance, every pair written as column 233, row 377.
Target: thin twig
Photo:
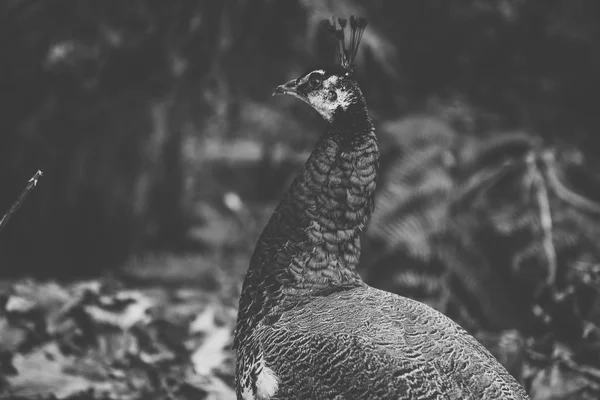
column 563, row 192
column 538, row 184
column 31, row 184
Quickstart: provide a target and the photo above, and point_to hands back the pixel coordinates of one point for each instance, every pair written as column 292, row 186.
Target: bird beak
column 287, row 88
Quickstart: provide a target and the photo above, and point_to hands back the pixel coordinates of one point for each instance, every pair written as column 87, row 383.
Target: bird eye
column 332, row 96
column 315, row 81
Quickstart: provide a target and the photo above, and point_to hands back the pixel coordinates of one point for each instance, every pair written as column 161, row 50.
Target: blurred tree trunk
column 167, row 210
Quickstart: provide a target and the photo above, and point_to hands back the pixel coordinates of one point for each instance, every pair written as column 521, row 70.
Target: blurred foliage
column 499, row 233
column 101, row 340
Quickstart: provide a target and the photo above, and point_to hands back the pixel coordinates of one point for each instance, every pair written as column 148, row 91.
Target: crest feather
column 346, row 52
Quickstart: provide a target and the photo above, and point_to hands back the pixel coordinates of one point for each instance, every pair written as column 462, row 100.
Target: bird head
column 332, row 91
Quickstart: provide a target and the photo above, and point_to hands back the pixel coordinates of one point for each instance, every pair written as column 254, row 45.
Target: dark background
column 139, row 111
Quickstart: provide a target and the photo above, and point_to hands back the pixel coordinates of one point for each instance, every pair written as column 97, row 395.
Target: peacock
column 308, row 326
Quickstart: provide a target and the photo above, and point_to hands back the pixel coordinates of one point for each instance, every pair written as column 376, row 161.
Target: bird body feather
column 363, row 343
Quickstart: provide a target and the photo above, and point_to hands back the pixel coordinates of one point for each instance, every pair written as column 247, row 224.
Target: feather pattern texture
column 308, row 326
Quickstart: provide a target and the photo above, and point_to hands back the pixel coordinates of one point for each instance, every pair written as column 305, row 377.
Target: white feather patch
column 247, row 394
column 267, row 382
column 325, row 106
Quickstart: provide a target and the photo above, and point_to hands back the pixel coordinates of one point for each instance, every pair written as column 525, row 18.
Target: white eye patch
column 324, row 100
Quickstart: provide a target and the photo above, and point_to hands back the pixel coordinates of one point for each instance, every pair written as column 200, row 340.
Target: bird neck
column 325, row 211
column 311, row 244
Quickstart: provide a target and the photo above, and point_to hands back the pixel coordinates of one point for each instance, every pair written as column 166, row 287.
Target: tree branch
column 31, row 184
